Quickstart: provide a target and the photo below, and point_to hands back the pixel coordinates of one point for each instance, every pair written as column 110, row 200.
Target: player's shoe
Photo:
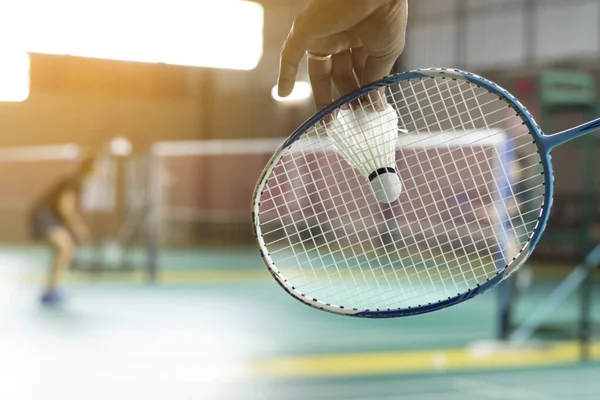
column 52, row 298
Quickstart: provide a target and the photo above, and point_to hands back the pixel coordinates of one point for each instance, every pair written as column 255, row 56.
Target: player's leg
column 63, row 248
column 49, row 228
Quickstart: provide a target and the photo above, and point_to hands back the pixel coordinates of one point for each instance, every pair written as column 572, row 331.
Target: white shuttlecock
column 367, row 141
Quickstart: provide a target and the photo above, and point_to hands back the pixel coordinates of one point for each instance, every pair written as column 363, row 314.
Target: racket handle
column 562, row 137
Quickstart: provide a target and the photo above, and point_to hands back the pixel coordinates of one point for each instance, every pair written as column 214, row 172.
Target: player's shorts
column 43, row 220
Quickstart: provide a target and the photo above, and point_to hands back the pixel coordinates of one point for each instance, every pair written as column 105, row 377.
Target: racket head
column 429, row 297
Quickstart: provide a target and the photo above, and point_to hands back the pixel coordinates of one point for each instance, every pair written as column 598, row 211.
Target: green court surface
column 215, row 326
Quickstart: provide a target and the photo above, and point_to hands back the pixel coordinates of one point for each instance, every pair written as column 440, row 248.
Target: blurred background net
column 203, row 189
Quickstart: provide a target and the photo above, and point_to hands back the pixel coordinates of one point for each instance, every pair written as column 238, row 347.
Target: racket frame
column 544, row 145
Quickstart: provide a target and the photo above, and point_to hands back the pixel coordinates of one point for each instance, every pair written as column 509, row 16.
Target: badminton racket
column 423, row 200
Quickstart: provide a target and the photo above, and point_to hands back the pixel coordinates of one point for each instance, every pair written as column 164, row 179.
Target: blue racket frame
column 545, row 144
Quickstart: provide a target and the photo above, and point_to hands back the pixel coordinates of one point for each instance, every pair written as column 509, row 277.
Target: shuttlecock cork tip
column 385, row 184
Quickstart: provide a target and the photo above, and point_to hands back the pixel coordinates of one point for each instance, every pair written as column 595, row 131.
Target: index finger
column 291, row 55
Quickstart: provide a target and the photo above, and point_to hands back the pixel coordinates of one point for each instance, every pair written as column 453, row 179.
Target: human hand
column 363, row 37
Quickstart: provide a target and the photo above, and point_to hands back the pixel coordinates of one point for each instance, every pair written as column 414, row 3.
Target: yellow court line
column 340, row 365
column 215, row 276
column 164, row 277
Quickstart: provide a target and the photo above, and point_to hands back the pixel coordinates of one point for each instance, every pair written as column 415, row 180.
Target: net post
column 584, row 322
column 150, row 224
column 592, row 261
column 504, row 310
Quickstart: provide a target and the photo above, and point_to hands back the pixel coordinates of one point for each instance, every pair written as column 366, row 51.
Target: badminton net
column 202, row 191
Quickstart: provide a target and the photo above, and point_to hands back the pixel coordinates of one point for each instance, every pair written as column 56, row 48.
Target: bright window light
column 206, row 33
column 301, row 91
column 14, row 75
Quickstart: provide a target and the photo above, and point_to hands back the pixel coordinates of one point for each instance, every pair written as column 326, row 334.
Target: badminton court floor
column 216, row 327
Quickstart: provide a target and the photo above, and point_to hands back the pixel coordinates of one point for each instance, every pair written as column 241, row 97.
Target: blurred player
column 57, row 221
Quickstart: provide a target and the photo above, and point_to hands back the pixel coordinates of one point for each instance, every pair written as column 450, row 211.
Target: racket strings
column 367, row 206
column 443, row 205
column 464, row 127
column 407, row 192
column 468, row 133
column 412, row 243
column 315, row 163
column 506, row 174
column 361, row 243
column 341, row 249
column 398, row 228
column 448, row 141
column 494, row 204
column 346, row 261
column 374, row 252
column 448, row 272
column 429, row 186
column 418, row 272
column 320, row 130
column 323, row 131
column 338, row 244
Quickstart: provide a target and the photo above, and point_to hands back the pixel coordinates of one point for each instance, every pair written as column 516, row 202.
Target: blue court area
column 215, row 326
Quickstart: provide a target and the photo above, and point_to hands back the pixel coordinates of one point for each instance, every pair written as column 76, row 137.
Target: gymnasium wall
column 492, row 34
column 86, row 100
column 77, row 99
column 89, row 101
